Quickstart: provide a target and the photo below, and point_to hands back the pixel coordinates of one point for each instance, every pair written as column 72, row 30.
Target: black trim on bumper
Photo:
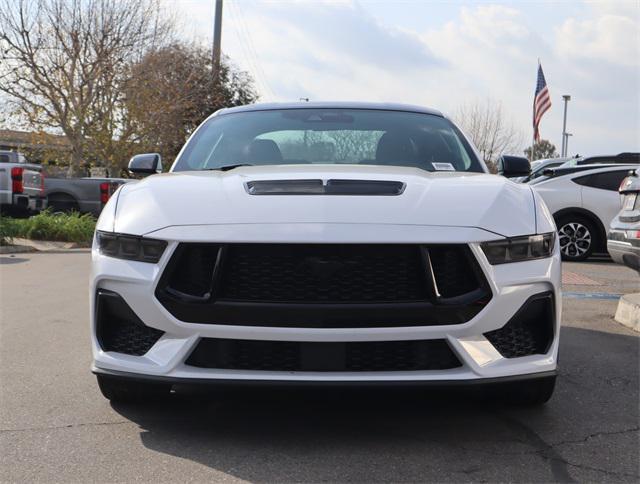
column 368, row 383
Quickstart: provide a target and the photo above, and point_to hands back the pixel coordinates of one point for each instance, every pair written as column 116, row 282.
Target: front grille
column 119, row 329
column 323, row 285
column 529, row 332
column 305, row 356
column 323, row 273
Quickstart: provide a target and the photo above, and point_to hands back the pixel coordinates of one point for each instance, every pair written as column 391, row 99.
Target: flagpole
column 533, row 144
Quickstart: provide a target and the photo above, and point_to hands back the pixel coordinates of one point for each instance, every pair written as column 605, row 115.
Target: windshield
column 328, row 136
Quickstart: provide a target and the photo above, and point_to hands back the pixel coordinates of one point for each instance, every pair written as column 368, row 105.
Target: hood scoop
column 325, row 187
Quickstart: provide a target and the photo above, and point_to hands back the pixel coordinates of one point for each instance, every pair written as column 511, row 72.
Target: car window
column 328, row 136
column 609, row 180
column 4, row 159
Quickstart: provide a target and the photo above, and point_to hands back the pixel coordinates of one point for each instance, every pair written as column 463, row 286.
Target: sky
column 444, row 54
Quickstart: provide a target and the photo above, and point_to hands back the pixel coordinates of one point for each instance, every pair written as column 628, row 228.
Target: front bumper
column 120, row 375
column 511, row 284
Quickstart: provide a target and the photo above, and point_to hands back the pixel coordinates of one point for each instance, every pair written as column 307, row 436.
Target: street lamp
column 565, row 142
column 565, row 135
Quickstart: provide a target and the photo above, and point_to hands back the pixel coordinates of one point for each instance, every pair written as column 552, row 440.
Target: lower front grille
column 529, row 332
column 119, row 329
column 330, row 356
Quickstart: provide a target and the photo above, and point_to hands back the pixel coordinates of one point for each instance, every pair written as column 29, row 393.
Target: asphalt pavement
column 56, row 427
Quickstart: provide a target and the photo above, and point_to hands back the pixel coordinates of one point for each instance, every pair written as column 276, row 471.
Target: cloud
column 612, row 38
column 345, row 31
column 338, row 50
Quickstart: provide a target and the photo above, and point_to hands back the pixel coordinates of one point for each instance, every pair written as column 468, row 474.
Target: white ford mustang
column 339, row 243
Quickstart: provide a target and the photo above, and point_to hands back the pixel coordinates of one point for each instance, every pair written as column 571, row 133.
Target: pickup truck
column 21, row 185
column 86, row 195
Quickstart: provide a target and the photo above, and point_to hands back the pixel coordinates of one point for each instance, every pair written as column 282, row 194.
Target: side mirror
column 146, row 164
column 513, row 166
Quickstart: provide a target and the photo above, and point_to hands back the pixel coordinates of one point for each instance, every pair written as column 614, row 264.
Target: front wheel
column 577, row 237
column 119, row 390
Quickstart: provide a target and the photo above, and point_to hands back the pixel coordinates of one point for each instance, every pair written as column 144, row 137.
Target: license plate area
column 629, row 201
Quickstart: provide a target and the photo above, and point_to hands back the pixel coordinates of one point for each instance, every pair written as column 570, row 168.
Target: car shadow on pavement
column 397, row 434
column 12, row 260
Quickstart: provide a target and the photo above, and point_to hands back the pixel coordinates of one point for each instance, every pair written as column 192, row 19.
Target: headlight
column 130, row 247
column 518, row 249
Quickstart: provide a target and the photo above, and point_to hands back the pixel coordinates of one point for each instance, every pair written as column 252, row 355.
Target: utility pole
column 565, row 135
column 217, row 39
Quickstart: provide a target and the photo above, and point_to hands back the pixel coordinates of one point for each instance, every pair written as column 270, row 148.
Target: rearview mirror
column 146, row 164
column 512, row 166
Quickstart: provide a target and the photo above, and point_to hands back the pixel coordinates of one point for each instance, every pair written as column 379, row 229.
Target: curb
column 628, row 312
column 27, row 245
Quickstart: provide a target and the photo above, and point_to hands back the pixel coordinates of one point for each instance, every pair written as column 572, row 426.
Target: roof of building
column 12, row 139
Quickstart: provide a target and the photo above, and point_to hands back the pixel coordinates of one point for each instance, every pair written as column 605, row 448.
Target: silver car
column 623, row 242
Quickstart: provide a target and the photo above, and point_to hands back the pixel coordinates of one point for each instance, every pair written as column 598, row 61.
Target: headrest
column 263, row 151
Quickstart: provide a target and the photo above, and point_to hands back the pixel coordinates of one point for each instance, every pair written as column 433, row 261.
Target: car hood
column 484, row 201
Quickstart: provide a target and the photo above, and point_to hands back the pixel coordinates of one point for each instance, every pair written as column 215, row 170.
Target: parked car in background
column 85, row 195
column 21, row 185
column 538, row 166
column 622, row 158
column 624, row 235
column 583, row 201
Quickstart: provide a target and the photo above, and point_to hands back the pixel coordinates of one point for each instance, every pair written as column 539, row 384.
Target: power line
column 247, row 54
column 253, row 49
column 245, row 50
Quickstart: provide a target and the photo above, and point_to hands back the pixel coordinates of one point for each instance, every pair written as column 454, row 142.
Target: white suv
column 583, row 201
column 340, row 243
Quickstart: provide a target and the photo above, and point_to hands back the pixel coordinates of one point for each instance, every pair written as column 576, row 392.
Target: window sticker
column 443, row 166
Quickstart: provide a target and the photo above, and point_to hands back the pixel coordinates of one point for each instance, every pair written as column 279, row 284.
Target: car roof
column 588, row 169
column 619, row 158
column 330, row 105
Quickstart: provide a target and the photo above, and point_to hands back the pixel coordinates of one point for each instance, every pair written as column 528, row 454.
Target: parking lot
column 56, row 427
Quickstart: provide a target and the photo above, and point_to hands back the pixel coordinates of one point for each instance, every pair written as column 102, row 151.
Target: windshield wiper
column 228, row 167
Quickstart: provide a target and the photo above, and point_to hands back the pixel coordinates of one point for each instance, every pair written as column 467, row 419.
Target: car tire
column 119, row 390
column 578, row 237
column 531, row 392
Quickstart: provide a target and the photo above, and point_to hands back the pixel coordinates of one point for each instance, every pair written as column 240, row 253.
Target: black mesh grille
column 316, row 273
column 529, row 332
column 119, row 329
column 323, row 285
column 305, row 356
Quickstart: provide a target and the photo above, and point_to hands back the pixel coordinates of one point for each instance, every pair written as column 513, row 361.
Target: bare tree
column 489, row 128
column 63, row 62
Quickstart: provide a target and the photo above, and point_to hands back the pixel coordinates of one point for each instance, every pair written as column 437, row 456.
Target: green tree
column 542, row 150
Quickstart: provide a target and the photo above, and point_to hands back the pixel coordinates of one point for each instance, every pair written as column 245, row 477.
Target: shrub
column 71, row 227
column 8, row 229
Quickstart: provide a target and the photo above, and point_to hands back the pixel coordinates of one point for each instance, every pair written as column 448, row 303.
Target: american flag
column 541, row 102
